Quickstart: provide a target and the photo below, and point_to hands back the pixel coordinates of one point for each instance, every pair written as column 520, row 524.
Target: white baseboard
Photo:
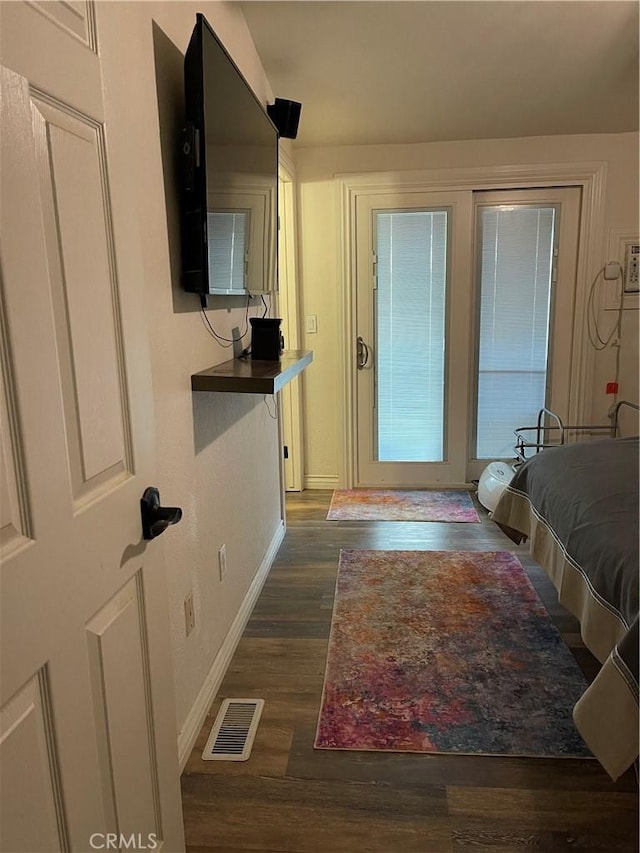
column 196, row 716
column 318, row 481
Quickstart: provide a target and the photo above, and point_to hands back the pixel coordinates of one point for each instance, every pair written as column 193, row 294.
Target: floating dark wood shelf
column 249, row 376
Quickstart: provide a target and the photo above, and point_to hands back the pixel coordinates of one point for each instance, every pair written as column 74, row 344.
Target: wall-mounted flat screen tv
column 230, row 176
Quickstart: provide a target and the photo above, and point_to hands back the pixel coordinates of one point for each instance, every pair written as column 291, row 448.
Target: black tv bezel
column 195, row 259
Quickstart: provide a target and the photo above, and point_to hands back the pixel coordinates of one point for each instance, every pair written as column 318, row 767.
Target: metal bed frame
column 556, row 434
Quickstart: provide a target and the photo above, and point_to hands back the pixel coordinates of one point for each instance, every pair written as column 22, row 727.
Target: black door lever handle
column 156, row 518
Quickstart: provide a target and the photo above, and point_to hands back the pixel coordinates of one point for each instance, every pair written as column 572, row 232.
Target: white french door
column 412, row 320
column 464, row 306
column 526, row 247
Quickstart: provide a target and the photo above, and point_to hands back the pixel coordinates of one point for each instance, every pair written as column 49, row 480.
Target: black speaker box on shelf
column 286, row 116
column 265, row 338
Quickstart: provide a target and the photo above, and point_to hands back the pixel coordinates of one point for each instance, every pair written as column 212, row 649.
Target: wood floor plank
column 439, row 769
column 601, row 823
column 308, row 815
column 291, row 798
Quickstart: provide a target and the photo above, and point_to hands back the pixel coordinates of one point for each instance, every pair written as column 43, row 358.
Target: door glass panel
column 411, row 250
column 516, row 246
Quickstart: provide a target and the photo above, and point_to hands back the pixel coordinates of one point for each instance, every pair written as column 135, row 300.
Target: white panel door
column 87, row 716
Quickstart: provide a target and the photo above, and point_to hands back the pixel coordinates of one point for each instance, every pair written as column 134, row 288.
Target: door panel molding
column 119, row 667
column 16, row 522
column 29, row 758
column 74, row 17
column 84, row 291
column 589, row 176
column 37, row 58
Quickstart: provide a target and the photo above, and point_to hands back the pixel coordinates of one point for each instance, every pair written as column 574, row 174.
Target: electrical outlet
column 222, row 561
column 189, row 615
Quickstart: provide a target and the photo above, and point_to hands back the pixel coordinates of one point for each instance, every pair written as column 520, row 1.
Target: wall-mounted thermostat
column 632, row 268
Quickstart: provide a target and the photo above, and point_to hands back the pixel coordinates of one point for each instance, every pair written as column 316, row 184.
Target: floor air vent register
column 234, row 730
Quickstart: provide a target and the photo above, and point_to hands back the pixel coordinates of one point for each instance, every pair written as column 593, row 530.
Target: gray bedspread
column 580, row 503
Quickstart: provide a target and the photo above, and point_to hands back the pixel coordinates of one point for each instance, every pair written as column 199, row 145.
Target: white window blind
column 411, row 248
column 516, row 245
column 227, row 235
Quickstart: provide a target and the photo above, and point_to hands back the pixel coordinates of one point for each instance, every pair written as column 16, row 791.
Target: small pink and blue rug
column 446, row 652
column 401, row 505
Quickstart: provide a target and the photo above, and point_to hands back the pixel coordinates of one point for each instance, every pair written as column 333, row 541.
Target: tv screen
column 230, row 176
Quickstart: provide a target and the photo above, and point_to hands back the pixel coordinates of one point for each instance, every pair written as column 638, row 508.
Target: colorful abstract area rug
column 446, row 651
column 397, row 505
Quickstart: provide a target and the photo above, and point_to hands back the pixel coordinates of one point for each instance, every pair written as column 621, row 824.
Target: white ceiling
column 383, row 72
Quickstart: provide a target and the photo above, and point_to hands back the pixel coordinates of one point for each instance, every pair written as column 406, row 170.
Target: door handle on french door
column 363, row 353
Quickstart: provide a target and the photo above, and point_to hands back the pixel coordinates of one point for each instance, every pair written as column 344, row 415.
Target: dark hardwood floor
column 290, row 797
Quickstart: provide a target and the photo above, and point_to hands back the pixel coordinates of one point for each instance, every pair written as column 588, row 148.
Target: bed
column 578, row 506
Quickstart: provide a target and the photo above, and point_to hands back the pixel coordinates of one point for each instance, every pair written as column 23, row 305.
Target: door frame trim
column 289, row 300
column 589, row 176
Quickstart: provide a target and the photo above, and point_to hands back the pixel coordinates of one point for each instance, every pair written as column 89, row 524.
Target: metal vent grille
column 231, row 737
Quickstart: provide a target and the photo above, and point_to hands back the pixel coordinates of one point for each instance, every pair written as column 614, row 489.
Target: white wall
column 320, row 261
column 217, row 454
